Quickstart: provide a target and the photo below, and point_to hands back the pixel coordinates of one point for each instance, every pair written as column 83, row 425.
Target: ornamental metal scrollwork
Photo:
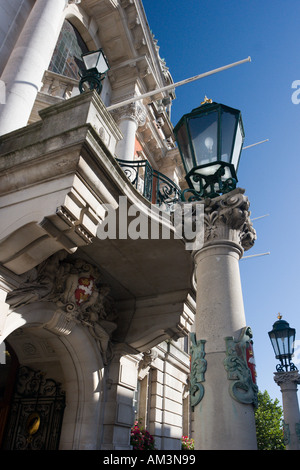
column 198, row 369
column 240, row 366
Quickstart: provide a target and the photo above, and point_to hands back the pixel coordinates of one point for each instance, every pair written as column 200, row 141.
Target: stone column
column 129, row 118
column 223, row 389
column 29, row 60
column 288, row 382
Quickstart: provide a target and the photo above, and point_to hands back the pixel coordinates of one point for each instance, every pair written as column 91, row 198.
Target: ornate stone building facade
column 93, row 328
column 97, row 278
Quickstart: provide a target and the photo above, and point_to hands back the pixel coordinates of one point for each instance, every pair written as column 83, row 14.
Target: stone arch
column 73, row 360
column 86, row 26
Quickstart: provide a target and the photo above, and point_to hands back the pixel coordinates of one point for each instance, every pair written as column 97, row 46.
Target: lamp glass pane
column 204, row 136
column 102, row 66
column 184, row 147
column 228, row 126
column 237, row 146
column 90, row 60
column 275, row 345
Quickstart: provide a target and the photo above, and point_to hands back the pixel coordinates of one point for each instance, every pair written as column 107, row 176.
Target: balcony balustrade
column 153, row 185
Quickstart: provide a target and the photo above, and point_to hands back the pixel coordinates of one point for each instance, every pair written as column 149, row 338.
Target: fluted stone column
column 288, row 382
column 128, row 118
column 223, row 388
column 29, row 60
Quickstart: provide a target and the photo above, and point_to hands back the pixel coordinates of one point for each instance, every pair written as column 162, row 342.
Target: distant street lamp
column 210, row 141
column 96, row 67
column 282, row 339
column 287, row 377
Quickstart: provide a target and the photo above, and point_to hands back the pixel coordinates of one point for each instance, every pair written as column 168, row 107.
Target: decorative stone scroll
column 75, row 286
column 240, row 366
column 198, row 369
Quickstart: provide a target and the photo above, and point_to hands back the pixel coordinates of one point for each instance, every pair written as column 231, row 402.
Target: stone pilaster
column 288, row 382
column 225, row 387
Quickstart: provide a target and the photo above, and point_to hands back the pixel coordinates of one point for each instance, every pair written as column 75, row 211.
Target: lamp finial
column 206, row 100
column 279, row 316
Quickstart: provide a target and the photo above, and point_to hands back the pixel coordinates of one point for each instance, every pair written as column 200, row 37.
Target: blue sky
column 196, row 36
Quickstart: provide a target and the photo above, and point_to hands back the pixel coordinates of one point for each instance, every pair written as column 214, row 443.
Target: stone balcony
column 58, row 177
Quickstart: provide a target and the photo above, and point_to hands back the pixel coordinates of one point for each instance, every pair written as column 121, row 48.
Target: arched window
column 66, row 59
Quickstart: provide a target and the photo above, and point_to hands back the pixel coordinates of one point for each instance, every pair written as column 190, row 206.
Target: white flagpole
column 174, row 85
column 257, row 143
column 254, row 256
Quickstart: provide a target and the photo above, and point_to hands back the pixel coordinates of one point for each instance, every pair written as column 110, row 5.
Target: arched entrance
column 52, row 388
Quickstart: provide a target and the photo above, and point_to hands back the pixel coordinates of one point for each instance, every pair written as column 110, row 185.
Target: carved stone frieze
column 228, row 218
column 81, row 298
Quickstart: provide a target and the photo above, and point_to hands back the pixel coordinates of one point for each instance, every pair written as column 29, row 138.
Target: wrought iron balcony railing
column 153, row 185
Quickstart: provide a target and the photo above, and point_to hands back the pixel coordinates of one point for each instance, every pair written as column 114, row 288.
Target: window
column 66, row 59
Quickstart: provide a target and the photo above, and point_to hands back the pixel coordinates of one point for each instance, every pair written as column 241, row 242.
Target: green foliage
column 268, row 419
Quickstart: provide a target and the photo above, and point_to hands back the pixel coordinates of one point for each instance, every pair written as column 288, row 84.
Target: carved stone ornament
column 228, row 218
column 80, row 297
column 240, row 366
column 198, row 369
column 145, row 363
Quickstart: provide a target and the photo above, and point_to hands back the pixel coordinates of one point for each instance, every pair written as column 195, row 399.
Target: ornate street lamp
column 96, row 66
column 282, row 338
column 210, row 141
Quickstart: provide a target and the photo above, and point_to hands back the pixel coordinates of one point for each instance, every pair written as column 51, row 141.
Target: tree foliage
column 268, row 419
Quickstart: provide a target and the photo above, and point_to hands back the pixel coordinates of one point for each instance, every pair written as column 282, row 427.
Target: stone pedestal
column 288, row 382
column 223, row 389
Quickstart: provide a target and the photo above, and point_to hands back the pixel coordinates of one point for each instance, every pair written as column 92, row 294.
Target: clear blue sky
column 196, row 36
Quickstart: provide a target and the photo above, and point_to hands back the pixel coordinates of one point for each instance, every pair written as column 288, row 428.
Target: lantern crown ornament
column 210, row 140
column 282, row 339
column 94, row 72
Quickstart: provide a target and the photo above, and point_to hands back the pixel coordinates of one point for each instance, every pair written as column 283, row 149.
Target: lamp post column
column 223, row 388
column 288, row 382
column 30, row 57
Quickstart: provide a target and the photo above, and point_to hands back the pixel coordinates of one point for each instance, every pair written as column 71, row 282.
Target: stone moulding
column 198, row 369
column 242, row 388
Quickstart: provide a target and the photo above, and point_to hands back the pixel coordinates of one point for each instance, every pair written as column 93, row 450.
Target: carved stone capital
column 287, row 379
column 227, row 218
column 134, row 111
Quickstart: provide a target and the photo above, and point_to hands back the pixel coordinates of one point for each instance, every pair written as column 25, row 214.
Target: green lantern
column 96, row 67
column 210, row 141
column 282, row 339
